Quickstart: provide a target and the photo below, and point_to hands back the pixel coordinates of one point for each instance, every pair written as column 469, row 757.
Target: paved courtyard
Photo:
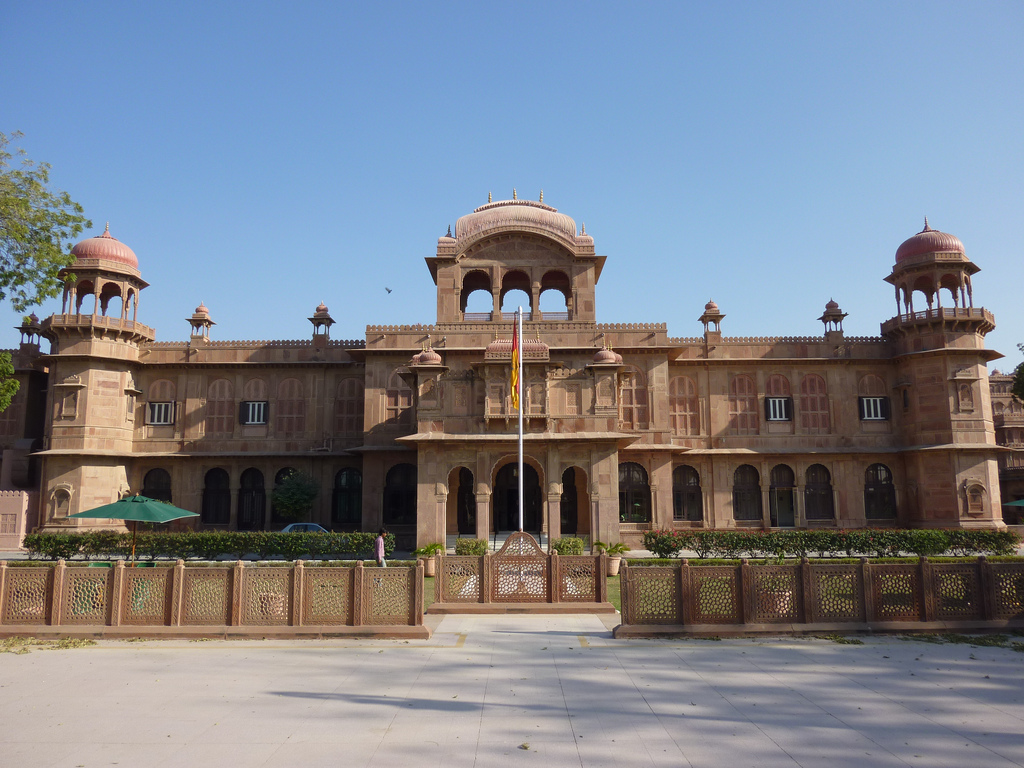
column 518, row 691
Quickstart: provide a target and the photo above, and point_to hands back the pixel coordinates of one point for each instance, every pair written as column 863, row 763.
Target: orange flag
column 515, row 362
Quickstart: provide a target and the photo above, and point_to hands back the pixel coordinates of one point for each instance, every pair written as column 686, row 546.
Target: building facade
column 626, row 427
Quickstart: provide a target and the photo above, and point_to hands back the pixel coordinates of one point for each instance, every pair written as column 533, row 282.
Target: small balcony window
column 874, row 408
column 778, row 408
column 160, row 414
column 253, row 412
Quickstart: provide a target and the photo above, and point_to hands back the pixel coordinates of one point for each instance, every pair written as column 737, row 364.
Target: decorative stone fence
column 292, row 601
column 807, row 597
column 521, row 578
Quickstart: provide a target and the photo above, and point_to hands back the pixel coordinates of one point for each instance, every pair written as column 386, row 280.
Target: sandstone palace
column 626, row 427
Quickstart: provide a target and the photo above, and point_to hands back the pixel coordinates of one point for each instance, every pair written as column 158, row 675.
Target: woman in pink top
column 378, row 549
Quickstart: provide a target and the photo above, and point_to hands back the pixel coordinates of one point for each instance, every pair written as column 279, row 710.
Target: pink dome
column 928, row 240
column 605, row 356
column 429, row 357
column 106, row 247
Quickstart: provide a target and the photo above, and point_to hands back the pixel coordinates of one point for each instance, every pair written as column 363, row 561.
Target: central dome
column 105, row 247
column 928, row 240
column 527, row 215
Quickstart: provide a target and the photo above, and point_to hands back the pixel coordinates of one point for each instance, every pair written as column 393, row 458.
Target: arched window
column 347, row 500
column 254, row 409
column 879, row 493
column 872, row 399
column 291, row 408
column 633, row 402
column 682, row 406
column 746, row 493
column 220, row 408
column 160, row 408
column 60, row 503
column 348, row 408
column 399, row 401
column 742, row 406
column 814, row 417
column 975, row 499
column 252, row 501
column 634, row 494
column 400, row 495
column 157, row 485
column 781, row 502
column 778, row 404
column 216, row 498
column 687, row 500
column 819, row 501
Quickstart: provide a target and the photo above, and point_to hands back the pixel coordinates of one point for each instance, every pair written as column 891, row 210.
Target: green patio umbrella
column 135, row 509
column 1017, row 503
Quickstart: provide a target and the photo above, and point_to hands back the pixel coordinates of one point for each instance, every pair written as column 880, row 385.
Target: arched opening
column 252, row 501
column 683, row 406
column 60, row 504
column 515, row 293
column 461, row 517
column 276, row 519
column 879, row 493
column 952, row 284
column 687, row 498
column 634, row 494
column 506, row 499
column 85, row 294
column 975, row 499
column 400, row 496
column 568, row 504
column 347, row 500
column 926, row 288
column 555, row 295
column 130, row 304
column 157, row 485
column 781, row 501
column 111, row 293
column 746, row 494
column 476, row 297
column 216, row 508
column 819, row 501
column 399, row 410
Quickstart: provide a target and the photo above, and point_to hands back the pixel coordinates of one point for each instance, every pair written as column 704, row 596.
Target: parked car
column 304, row 528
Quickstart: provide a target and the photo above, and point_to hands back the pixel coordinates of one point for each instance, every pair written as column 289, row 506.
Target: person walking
column 378, row 549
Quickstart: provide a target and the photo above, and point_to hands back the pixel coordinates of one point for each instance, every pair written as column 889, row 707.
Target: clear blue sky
column 262, row 157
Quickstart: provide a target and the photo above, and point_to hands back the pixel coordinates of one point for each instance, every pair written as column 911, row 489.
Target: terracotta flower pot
column 613, row 564
column 429, row 566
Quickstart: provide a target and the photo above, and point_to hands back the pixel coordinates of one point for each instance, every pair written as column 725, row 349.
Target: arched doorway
column 506, row 499
column 347, row 500
column 465, row 504
column 216, row 498
column 569, row 503
column 276, row 519
column 252, row 501
column 157, row 485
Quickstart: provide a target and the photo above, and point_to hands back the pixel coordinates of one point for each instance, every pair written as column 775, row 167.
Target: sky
column 263, row 157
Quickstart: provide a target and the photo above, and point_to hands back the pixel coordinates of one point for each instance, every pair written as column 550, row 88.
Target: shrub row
column 475, row 547
column 203, row 545
column 568, row 545
column 874, row 542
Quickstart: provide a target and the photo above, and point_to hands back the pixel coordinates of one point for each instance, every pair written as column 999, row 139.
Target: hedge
column 875, row 542
column 203, row 545
column 568, row 545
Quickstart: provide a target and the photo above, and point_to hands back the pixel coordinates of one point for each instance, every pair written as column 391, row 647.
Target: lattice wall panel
column 27, row 595
column 653, row 596
column 327, row 596
column 957, row 592
column 266, row 596
column 836, row 593
column 519, row 579
column 896, row 592
column 146, row 596
column 777, row 594
column 1008, row 586
column 715, row 595
column 387, row 595
column 578, row 579
column 87, row 593
column 459, row 579
column 206, row 597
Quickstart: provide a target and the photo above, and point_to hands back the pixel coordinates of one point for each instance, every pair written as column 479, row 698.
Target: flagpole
column 519, row 384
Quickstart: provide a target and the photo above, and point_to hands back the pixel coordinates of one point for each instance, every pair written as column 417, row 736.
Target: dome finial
column 542, row 196
column 926, row 227
column 449, row 231
column 583, row 227
column 489, row 197
column 106, row 231
column 514, row 194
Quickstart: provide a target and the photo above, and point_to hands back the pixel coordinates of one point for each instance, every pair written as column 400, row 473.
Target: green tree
column 35, row 224
column 8, row 384
column 1018, row 379
column 293, row 497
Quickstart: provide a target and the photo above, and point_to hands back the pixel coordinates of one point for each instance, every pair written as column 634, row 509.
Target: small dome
column 429, row 357
column 928, row 240
column 605, row 357
column 201, row 309
column 711, row 307
column 832, row 305
column 106, row 247
column 321, row 310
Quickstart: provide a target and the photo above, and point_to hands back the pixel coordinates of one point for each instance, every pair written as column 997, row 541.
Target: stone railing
column 496, row 583
column 807, row 598
column 182, row 600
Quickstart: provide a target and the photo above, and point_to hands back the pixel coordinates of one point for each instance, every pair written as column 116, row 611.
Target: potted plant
column 614, row 552
column 427, row 553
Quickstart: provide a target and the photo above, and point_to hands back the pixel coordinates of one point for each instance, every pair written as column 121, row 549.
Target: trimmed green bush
column 475, row 547
column 203, row 545
column 568, row 545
